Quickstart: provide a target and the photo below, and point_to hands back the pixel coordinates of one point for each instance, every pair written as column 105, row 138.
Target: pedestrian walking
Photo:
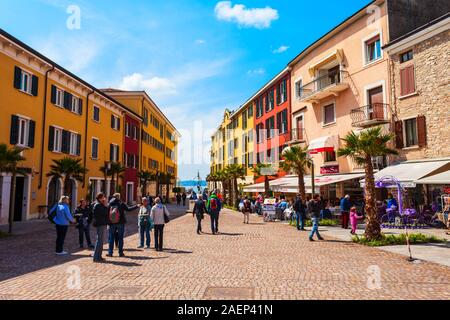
column 300, row 213
column 354, row 219
column 160, row 216
column 100, row 221
column 199, row 212
column 62, row 219
column 246, row 210
column 184, row 197
column 314, row 209
column 178, row 196
column 83, row 217
column 345, row 211
column 145, row 224
column 214, row 206
column 117, row 221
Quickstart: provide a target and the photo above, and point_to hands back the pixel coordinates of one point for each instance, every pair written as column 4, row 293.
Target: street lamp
column 313, row 183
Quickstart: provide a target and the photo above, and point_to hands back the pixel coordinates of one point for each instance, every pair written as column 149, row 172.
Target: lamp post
column 313, row 183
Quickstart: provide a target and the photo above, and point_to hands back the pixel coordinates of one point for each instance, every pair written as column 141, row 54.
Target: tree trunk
column 373, row 230
column 301, row 186
column 266, row 186
column 12, row 201
column 236, row 191
column 157, row 187
column 113, row 184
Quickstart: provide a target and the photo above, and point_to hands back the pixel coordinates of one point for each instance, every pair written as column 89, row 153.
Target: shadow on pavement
column 175, row 251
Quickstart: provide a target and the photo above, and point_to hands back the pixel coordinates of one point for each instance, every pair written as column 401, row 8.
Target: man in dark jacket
column 300, row 212
column 118, row 226
column 314, row 209
column 345, row 211
column 83, row 216
column 199, row 212
column 100, row 221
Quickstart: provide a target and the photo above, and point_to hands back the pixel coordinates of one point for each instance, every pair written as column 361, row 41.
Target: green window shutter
column 31, row 132
column 17, row 77
column 14, row 133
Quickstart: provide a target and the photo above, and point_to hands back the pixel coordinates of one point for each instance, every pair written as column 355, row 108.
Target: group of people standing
column 108, row 216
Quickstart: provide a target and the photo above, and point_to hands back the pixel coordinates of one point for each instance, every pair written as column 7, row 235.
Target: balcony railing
column 370, row 115
column 332, row 83
column 297, row 136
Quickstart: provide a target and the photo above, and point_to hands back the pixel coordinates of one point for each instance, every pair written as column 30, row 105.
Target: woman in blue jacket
column 62, row 221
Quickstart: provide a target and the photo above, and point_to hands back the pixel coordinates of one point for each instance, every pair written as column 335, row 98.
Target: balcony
column 370, row 115
column 297, row 136
column 324, row 86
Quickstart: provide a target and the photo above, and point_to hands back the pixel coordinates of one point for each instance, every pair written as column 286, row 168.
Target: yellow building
column 159, row 136
column 52, row 114
column 232, row 142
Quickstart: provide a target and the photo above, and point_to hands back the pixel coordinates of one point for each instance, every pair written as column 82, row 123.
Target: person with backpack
column 83, row 216
column 199, row 211
column 60, row 215
column 145, row 223
column 100, row 214
column 246, row 210
column 117, row 221
column 214, row 206
column 160, row 216
column 300, row 213
column 314, row 209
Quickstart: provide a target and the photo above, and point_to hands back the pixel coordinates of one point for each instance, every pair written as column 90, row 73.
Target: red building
column 273, row 120
column 131, row 157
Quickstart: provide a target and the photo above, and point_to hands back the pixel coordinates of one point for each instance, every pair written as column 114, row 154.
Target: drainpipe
column 141, row 136
column 44, row 116
column 86, row 135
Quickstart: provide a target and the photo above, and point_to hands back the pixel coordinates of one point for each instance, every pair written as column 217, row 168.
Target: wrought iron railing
column 375, row 112
column 298, row 135
column 322, row 83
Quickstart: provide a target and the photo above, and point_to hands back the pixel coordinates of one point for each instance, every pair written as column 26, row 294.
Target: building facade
column 158, row 137
column 53, row 114
column 131, row 157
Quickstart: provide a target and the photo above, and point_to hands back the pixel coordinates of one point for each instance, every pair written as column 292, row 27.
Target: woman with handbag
column 160, row 216
column 145, row 223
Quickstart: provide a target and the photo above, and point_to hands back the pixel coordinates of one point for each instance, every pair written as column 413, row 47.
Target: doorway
column 19, row 198
column 130, row 193
column 54, row 192
column 376, row 107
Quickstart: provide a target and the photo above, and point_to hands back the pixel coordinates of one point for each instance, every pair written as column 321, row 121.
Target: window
column 373, row 49
column 25, row 81
column 259, row 107
column 244, row 120
column 259, row 133
column 328, row 114
column 250, row 111
column 330, row 156
column 282, row 121
column 145, row 116
column 407, row 80
column 236, row 143
column 406, row 56
column 76, row 105
column 22, row 132
column 299, row 89
column 411, row 137
column 59, row 97
column 94, row 151
column 114, row 153
column 96, row 115
column 115, row 123
column 270, row 127
column 282, row 92
column 73, row 144
column 57, row 140
column 270, row 103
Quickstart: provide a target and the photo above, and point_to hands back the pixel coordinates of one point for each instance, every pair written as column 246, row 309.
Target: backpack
column 52, row 213
column 247, row 206
column 114, row 215
column 213, row 204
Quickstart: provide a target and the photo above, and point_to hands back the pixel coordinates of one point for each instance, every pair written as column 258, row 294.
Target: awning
column 291, row 185
column 331, row 179
column 440, row 178
column 259, row 187
column 337, row 55
column 410, row 172
column 324, row 144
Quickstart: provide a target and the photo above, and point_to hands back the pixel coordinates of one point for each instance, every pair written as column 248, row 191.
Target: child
column 354, row 219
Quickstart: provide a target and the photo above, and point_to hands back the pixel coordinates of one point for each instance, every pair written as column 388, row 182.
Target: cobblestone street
column 256, row 261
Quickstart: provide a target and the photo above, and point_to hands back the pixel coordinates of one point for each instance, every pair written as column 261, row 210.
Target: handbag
column 166, row 216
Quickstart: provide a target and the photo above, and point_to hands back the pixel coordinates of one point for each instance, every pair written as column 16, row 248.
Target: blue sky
column 195, row 58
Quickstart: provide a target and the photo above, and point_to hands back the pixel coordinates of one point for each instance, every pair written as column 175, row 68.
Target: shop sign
column 329, row 169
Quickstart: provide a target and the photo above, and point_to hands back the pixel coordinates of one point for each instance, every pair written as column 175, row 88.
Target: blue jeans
column 61, row 232
column 120, row 228
column 315, row 228
column 300, row 221
column 99, row 243
column 214, row 222
column 145, row 233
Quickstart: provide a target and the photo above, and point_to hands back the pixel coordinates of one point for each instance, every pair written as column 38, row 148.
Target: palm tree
column 361, row 148
column 115, row 171
column 107, row 172
column 67, row 169
column 264, row 170
column 235, row 172
column 296, row 159
column 144, row 178
column 9, row 162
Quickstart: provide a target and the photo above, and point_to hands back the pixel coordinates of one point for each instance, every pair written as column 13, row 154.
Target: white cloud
column 137, row 81
column 260, row 18
column 200, row 41
column 280, row 49
column 74, row 53
column 256, row 72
